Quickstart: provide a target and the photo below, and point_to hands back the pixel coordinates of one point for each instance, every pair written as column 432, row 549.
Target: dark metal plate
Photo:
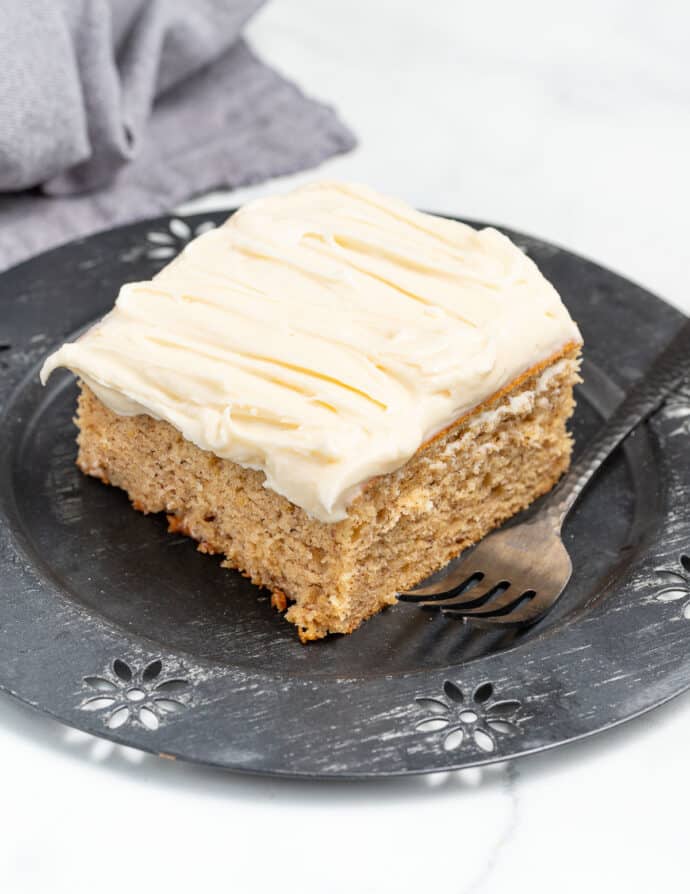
column 117, row 627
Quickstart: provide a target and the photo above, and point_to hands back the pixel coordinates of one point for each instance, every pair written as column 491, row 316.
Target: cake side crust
column 403, row 526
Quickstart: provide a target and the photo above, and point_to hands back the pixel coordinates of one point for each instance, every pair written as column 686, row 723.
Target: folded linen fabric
column 112, row 110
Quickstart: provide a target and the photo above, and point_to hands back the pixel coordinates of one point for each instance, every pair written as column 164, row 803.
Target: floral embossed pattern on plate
column 132, row 693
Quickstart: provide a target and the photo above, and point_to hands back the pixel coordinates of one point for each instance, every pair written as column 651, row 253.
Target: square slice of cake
column 335, row 392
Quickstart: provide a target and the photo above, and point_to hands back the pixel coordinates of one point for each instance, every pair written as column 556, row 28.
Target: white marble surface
column 570, row 121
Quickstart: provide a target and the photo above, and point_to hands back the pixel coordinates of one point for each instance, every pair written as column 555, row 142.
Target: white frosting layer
column 322, row 337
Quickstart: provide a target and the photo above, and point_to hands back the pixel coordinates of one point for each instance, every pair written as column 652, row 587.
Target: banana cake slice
column 335, row 392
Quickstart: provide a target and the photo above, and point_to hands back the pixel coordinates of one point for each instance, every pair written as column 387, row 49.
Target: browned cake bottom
column 403, row 526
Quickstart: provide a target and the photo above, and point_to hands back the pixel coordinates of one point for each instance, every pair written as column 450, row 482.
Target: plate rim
column 393, row 725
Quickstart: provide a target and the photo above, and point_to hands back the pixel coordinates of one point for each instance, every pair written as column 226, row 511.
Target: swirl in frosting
column 322, row 337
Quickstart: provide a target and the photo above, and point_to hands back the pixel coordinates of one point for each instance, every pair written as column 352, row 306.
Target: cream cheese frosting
column 322, row 337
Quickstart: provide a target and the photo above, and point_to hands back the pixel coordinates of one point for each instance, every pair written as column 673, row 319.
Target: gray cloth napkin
column 113, row 110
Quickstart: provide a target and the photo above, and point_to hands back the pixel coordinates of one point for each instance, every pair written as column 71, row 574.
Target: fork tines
column 476, row 599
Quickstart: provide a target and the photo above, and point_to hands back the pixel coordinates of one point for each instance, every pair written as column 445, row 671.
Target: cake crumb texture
column 402, row 526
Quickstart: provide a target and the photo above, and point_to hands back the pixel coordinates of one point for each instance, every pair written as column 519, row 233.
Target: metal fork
column 515, row 575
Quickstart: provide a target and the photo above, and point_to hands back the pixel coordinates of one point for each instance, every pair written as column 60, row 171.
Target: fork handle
column 669, row 369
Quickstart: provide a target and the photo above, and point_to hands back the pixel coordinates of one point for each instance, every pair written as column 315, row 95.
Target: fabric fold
column 115, row 110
